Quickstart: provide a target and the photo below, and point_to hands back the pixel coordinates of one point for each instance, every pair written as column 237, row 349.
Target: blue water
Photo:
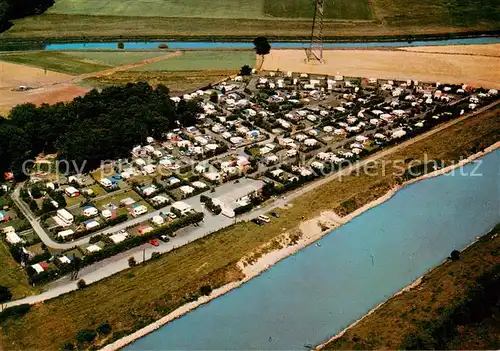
column 249, row 45
column 314, row 294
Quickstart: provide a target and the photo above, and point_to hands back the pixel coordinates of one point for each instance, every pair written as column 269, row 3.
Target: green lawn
column 203, row 60
column 54, row 61
column 114, row 58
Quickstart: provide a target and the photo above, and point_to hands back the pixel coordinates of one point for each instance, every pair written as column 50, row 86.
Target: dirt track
column 473, row 68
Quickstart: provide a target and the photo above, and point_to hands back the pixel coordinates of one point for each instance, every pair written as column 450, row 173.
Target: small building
column 138, row 209
column 118, row 237
column 4, row 216
column 158, row 220
column 91, row 224
column 89, row 211
column 199, row 185
column 186, row 190
column 93, row 248
column 105, row 182
column 127, row 201
column 72, row 191
column 159, row 200
column 66, row 217
column 182, row 207
column 65, row 233
column 12, row 238
column 106, row 214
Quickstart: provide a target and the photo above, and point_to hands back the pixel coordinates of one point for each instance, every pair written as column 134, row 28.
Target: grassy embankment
column 247, row 19
column 143, row 294
column 423, row 309
column 12, row 275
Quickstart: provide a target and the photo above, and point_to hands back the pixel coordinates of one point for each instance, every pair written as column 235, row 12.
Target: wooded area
column 13, row 9
column 98, row 126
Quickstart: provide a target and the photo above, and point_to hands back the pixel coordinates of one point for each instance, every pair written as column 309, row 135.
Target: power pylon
column 315, row 50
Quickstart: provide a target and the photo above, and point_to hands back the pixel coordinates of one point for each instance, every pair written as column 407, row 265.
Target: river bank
column 315, row 231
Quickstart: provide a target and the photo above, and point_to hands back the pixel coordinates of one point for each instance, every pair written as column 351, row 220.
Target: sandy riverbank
column 313, row 230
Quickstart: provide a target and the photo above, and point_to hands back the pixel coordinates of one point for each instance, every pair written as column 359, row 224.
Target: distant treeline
column 13, row 9
column 98, row 126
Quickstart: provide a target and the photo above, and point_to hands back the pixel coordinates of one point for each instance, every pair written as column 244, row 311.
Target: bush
column 85, row 335
column 81, row 284
column 155, row 255
column 5, row 294
column 104, row 328
column 14, row 312
column 132, row 262
column 69, row 346
column 206, row 290
column 455, row 255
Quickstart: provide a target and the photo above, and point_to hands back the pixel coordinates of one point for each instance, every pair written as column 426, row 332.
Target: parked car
column 264, row 219
column 258, row 221
column 154, row 242
column 172, row 215
column 275, row 214
column 164, row 238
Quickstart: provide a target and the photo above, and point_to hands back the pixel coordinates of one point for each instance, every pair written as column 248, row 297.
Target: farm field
column 144, row 293
column 54, row 61
column 395, row 64
column 14, row 75
column 203, row 60
column 256, row 9
column 345, row 9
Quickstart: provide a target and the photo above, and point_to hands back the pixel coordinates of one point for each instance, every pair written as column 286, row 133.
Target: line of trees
column 13, row 9
column 98, row 126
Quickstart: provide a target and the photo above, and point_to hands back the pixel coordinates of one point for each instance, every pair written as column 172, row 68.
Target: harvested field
column 13, row 75
column 477, row 50
column 397, row 64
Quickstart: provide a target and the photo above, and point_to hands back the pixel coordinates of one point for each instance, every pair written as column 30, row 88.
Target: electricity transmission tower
column 315, row 50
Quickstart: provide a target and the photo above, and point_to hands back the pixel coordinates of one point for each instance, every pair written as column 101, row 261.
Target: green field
column 203, row 60
column 54, row 61
column 253, row 9
column 344, row 9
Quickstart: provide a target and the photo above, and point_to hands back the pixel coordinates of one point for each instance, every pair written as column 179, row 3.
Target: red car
column 154, row 242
